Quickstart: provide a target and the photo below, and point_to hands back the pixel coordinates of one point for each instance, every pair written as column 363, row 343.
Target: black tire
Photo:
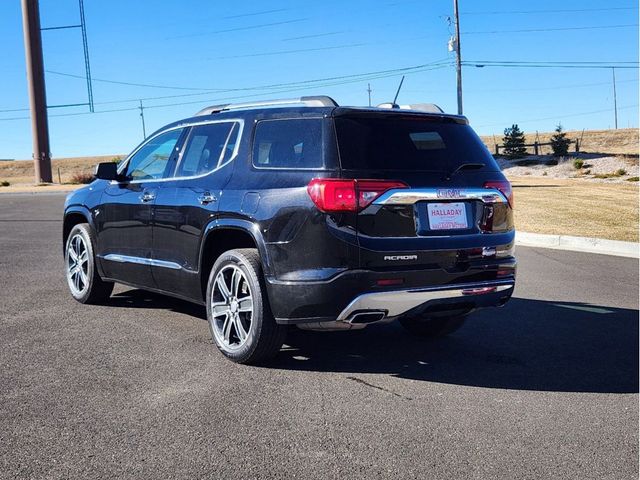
column 432, row 327
column 94, row 290
column 264, row 337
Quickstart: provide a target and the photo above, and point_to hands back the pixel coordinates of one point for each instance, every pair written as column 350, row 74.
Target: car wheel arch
column 72, row 217
column 222, row 235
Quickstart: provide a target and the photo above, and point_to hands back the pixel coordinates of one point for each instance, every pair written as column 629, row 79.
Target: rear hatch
column 446, row 199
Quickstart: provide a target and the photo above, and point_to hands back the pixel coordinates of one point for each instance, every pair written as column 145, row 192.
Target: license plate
column 447, row 216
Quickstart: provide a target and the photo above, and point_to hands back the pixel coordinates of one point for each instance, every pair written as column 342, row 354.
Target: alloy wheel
column 77, row 265
column 231, row 308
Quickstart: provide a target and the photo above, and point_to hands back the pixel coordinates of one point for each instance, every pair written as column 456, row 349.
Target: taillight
column 504, row 186
column 347, row 195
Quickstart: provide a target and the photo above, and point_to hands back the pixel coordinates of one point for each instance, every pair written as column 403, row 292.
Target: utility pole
column 458, row 58
column 144, row 131
column 615, row 99
column 369, row 92
column 37, row 93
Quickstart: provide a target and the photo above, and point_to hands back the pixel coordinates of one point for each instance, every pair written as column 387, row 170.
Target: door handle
column 206, row 198
column 147, row 196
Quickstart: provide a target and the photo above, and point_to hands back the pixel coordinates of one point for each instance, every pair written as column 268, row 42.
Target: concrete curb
column 579, row 244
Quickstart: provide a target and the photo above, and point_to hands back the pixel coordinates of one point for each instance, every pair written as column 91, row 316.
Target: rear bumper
column 399, row 302
column 358, row 291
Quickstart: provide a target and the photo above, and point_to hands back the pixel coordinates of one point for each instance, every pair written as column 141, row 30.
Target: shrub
column 513, row 141
column 617, row 173
column 578, row 163
column 559, row 142
column 4, row 183
column 633, row 179
column 116, row 159
column 82, row 177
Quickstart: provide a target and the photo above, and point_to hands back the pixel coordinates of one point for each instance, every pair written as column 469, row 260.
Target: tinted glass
column 152, row 160
column 387, row 143
column 288, row 144
column 207, row 148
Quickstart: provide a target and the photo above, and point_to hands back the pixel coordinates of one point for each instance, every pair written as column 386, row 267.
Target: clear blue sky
column 195, row 45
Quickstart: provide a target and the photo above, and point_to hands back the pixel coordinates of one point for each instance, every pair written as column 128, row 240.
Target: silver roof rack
column 416, row 107
column 315, row 101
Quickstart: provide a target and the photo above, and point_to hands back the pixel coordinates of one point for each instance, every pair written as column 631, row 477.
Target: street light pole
column 458, row 57
column 37, row 93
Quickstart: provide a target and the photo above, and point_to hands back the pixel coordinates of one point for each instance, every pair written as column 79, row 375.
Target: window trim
column 322, row 146
column 186, row 126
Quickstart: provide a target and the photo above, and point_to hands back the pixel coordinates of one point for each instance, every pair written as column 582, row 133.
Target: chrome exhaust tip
column 367, row 316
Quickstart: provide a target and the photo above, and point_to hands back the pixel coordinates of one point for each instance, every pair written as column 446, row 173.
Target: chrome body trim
column 113, row 257
column 400, row 196
column 123, row 165
column 397, row 302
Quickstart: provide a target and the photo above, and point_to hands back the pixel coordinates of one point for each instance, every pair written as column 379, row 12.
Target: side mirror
column 107, row 171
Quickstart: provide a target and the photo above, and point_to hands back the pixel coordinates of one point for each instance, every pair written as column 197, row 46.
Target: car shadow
column 526, row 345
column 137, row 298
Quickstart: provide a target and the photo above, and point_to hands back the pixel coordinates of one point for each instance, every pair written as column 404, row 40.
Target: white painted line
column 579, row 244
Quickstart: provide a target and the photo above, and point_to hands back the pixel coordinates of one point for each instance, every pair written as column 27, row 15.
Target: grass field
column 21, row 172
column 574, row 207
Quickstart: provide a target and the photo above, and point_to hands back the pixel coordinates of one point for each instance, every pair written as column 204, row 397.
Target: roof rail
column 416, row 107
column 314, row 101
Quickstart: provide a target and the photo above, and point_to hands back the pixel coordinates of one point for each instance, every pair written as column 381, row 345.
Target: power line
column 285, row 52
column 301, row 86
column 566, row 10
column 556, row 117
column 480, row 64
column 253, row 14
column 131, row 84
column 532, row 30
column 240, row 29
column 240, row 89
column 313, row 83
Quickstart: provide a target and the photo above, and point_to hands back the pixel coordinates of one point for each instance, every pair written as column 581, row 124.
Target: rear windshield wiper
column 464, row 166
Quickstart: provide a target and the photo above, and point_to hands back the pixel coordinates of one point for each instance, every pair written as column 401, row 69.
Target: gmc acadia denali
column 301, row 212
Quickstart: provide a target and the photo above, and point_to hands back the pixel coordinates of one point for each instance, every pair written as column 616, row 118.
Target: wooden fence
column 536, row 146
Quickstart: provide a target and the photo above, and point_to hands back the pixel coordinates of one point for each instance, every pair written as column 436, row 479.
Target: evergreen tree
column 513, row 141
column 559, row 142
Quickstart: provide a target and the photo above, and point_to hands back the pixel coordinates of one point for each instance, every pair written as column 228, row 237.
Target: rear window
column 294, row 143
column 387, row 143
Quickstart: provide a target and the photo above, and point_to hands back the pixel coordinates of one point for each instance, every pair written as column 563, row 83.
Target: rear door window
column 290, row 143
column 208, row 147
column 408, row 144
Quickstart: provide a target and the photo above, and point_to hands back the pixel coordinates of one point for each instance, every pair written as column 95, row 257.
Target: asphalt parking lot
column 545, row 387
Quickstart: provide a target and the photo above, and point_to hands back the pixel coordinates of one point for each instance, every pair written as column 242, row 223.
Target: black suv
column 301, row 212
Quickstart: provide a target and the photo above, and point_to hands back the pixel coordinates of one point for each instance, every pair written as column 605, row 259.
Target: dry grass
column 573, row 207
column 21, row 171
column 622, row 141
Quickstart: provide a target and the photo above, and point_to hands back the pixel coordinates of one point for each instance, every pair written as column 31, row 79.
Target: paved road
column 543, row 388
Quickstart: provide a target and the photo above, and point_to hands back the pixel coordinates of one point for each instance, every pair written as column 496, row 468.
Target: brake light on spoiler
column 348, row 195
